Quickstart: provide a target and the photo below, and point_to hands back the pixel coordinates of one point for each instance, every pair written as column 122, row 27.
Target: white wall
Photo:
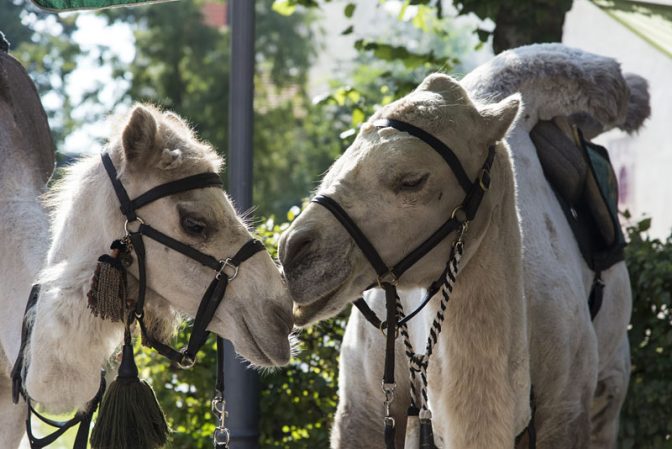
column 646, row 157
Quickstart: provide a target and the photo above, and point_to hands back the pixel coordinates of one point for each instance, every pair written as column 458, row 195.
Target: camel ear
column 139, row 135
column 498, row 117
column 444, row 85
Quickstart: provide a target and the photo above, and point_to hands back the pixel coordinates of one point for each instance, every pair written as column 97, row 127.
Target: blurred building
column 639, row 36
column 215, row 14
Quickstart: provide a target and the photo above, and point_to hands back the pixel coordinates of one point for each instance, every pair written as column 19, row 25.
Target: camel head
column 398, row 190
column 155, row 148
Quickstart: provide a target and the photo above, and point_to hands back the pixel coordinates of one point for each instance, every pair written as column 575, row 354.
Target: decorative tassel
column 130, row 416
column 107, row 296
column 412, row 440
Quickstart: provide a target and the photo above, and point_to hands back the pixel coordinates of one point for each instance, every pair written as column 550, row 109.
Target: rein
column 224, row 272
column 419, row 428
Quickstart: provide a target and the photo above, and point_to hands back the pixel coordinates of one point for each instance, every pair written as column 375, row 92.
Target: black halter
column 388, row 276
column 461, row 216
column 217, row 288
column 225, row 270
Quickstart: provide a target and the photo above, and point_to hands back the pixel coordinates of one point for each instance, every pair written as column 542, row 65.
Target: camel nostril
column 297, row 245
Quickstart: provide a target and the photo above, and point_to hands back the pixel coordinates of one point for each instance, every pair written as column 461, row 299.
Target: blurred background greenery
column 180, row 63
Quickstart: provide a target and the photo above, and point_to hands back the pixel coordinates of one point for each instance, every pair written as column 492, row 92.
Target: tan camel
column 518, row 313
column 69, row 345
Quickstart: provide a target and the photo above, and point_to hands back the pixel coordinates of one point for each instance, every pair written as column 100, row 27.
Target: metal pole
column 242, row 384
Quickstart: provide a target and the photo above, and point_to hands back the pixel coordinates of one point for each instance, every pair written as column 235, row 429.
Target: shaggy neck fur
column 68, row 345
column 484, row 337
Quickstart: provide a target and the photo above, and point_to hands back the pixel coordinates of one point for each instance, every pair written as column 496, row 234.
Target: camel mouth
column 306, row 314
column 272, row 351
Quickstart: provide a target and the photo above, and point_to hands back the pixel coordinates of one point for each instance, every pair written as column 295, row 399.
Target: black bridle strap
column 212, row 297
column 216, row 290
column 357, row 235
column 122, row 195
column 189, row 251
column 444, row 150
column 198, row 181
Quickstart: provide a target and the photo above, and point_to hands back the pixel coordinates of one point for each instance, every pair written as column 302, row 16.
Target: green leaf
column 347, row 31
column 349, row 10
column 284, row 7
column 357, row 117
column 483, row 35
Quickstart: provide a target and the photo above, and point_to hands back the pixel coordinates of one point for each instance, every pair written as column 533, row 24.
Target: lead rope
column 419, row 432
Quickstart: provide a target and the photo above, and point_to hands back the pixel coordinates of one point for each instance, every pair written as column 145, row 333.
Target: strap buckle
column 224, row 264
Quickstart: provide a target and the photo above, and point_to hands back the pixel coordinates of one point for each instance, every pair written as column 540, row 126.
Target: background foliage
column 646, row 420
column 181, row 64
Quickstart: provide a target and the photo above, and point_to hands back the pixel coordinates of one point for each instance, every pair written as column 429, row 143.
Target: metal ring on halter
column 186, row 361
column 381, row 279
column 455, row 212
column 485, row 186
column 138, row 219
column 227, row 263
column 383, row 327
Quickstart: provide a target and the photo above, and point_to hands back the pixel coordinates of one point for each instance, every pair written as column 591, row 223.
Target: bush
column 646, row 419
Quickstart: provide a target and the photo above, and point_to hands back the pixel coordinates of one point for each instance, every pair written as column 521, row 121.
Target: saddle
column 586, row 186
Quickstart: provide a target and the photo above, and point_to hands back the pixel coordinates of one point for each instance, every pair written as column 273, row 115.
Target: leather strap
column 444, row 150
column 357, row 235
column 198, row 181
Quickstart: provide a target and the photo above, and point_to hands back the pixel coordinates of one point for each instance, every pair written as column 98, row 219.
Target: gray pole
column 242, row 384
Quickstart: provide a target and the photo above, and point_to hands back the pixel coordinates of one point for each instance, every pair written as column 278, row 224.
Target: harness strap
column 357, row 235
column 444, row 150
column 198, row 181
column 122, row 195
column 189, row 251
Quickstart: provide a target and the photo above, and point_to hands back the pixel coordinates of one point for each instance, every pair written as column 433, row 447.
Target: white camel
column 518, row 313
column 69, row 345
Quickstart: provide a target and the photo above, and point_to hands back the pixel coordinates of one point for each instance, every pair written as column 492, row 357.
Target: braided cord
column 418, row 363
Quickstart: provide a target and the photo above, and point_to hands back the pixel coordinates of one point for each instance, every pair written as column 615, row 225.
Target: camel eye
column 413, row 183
column 193, row 226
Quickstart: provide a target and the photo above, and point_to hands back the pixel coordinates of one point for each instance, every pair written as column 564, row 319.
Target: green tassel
column 130, row 416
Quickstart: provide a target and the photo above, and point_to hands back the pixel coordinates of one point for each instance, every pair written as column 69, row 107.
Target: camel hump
column 21, row 110
column 557, row 80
